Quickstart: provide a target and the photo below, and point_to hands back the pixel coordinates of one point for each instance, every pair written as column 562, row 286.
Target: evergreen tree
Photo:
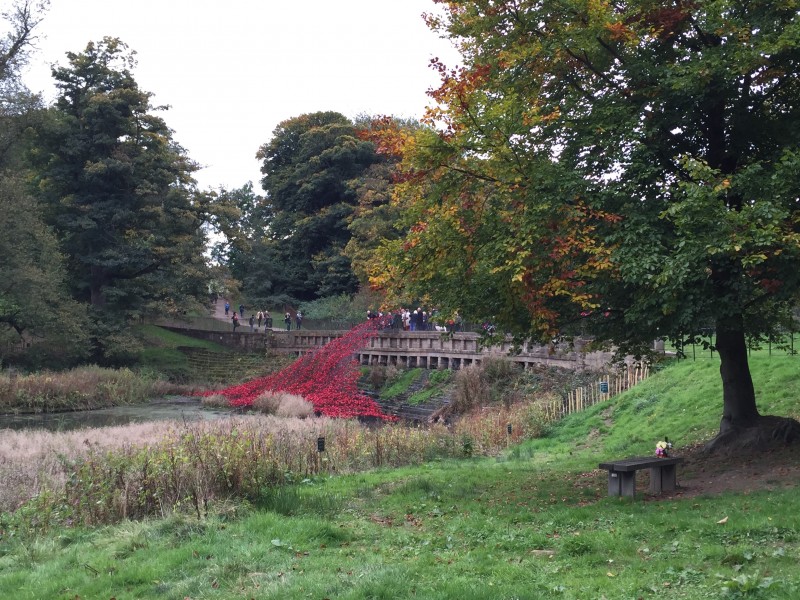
column 118, row 189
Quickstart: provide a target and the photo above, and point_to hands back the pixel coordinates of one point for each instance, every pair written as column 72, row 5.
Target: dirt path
column 742, row 472
column 219, row 310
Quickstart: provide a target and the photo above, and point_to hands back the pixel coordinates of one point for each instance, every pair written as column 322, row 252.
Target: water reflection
column 180, row 408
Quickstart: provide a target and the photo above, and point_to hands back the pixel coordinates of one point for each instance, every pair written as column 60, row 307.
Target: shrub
column 292, row 405
column 267, row 402
column 379, row 376
column 283, row 404
column 471, row 390
column 215, row 401
column 498, row 370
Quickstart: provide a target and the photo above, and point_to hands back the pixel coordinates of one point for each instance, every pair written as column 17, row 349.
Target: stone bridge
column 426, row 349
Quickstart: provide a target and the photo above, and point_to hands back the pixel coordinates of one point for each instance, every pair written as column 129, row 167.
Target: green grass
column 156, row 336
column 535, row 523
column 161, row 351
column 401, row 383
column 436, row 385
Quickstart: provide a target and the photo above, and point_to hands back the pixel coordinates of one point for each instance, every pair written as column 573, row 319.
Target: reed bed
column 80, row 389
column 103, row 475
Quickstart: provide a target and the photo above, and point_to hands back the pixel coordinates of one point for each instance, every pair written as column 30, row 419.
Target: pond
column 173, row 407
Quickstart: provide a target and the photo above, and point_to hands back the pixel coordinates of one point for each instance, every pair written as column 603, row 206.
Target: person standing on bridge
column 287, row 318
column 227, row 308
column 260, row 318
column 298, row 318
column 252, row 323
column 267, row 320
column 235, row 319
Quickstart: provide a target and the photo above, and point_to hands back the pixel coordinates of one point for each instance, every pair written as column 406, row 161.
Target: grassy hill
column 533, row 523
column 181, row 358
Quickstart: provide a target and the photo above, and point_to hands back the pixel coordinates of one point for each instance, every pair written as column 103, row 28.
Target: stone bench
column 622, row 474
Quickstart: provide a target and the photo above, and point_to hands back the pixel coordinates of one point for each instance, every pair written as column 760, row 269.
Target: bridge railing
column 214, row 324
column 200, row 323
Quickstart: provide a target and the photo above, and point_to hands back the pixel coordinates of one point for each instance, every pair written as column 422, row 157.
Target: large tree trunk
column 742, row 428
column 738, row 396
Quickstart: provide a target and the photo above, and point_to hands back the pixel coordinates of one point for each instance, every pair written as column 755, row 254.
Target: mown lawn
column 535, row 523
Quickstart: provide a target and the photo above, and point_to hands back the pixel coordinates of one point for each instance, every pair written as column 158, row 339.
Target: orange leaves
column 456, row 89
column 619, row 32
column 390, row 136
column 667, row 21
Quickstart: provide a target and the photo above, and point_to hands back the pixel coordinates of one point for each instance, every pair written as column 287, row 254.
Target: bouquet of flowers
column 663, row 448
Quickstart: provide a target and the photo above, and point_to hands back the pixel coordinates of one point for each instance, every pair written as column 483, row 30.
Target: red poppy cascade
column 326, row 377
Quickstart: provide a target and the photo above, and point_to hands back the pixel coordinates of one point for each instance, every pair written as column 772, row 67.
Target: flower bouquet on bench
column 663, row 448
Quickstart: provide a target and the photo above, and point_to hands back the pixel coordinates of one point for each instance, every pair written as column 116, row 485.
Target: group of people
column 298, row 320
column 416, row 320
column 228, row 308
column 262, row 316
column 255, row 320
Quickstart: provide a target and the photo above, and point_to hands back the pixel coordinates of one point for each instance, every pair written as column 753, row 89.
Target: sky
column 232, row 71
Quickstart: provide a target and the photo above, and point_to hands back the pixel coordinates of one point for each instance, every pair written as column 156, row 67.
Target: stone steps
column 398, row 407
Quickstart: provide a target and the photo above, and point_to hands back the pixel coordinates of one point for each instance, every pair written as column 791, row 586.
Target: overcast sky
column 231, row 71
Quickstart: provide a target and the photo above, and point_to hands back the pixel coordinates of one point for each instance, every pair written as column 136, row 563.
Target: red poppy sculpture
column 326, row 377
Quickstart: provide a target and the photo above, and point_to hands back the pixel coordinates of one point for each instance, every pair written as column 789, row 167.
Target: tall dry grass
column 32, row 461
column 79, row 389
column 486, row 429
column 103, row 475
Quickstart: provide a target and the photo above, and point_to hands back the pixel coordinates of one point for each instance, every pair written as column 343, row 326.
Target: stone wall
column 426, row 349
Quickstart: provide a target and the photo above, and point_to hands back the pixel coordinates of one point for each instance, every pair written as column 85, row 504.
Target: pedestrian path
column 244, row 322
column 219, row 310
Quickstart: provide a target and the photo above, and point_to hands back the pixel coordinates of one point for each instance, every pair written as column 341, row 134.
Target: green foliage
column 436, row 385
column 39, row 323
column 290, row 247
column 620, row 169
column 375, row 217
column 343, row 308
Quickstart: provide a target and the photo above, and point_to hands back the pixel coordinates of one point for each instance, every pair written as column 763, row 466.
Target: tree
column 375, row 217
column 630, row 168
column 307, row 167
column 239, row 218
column 118, row 189
column 37, row 316
column 21, row 19
column 35, row 308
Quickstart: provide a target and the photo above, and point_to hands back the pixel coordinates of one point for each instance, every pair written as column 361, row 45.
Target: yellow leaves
column 722, row 185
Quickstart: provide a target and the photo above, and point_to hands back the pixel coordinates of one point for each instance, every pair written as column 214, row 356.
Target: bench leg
column 656, row 483
column 614, row 483
column 662, row 479
column 622, row 483
column 628, row 483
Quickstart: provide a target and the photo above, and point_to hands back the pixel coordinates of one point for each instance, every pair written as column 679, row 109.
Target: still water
column 174, row 407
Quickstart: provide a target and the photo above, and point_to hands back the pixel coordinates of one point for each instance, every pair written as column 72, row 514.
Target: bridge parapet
column 427, row 349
